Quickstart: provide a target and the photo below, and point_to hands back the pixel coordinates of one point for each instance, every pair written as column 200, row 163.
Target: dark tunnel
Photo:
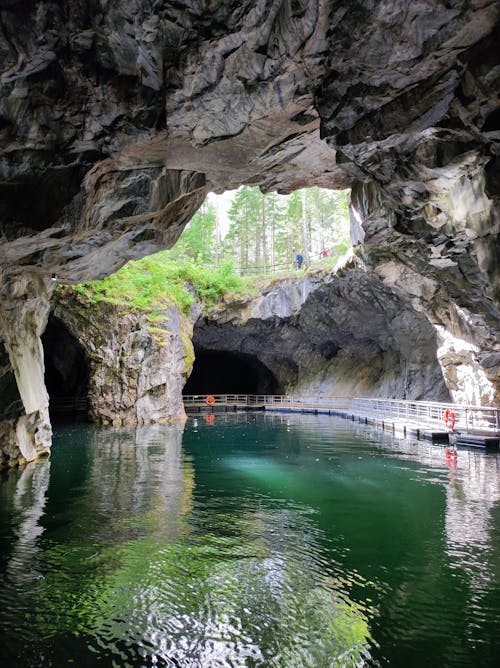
column 66, row 372
column 229, row 373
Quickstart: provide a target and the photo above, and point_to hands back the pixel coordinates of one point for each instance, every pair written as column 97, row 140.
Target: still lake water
column 283, row 541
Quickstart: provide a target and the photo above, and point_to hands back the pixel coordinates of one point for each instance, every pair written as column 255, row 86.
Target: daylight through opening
column 268, row 233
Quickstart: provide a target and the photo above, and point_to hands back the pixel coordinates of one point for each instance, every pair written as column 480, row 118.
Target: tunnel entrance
column 229, row 373
column 66, row 372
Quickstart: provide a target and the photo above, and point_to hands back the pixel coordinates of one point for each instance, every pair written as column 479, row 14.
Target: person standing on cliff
column 300, row 260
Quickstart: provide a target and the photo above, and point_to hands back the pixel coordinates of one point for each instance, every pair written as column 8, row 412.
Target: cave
column 229, row 373
column 106, row 153
column 66, row 372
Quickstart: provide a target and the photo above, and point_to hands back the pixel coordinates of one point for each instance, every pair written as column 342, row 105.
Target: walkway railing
column 291, row 265
column 429, row 414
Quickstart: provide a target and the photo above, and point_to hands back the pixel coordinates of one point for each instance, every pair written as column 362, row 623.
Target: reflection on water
column 252, row 540
column 28, row 504
column 472, row 484
column 140, row 473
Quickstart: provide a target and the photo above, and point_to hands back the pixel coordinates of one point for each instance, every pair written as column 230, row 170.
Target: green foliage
column 154, row 282
column 268, row 230
column 197, row 241
column 266, row 233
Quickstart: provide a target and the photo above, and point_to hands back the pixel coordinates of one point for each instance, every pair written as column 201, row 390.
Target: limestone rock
column 24, row 316
column 136, row 370
column 327, row 334
column 116, row 118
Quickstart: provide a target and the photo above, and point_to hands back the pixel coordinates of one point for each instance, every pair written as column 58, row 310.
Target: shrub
column 153, row 282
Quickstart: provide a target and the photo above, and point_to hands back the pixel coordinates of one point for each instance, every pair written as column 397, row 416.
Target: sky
column 222, row 204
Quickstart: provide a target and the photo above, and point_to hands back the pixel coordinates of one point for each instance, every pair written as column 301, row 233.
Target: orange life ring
column 210, row 400
column 449, row 418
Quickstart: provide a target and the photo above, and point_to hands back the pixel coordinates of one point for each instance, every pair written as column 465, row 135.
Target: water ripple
column 275, row 541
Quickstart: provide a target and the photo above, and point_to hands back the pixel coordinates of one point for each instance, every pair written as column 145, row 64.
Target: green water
column 280, row 541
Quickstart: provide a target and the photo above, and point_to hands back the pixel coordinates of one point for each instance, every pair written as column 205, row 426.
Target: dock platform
column 475, row 426
column 478, row 441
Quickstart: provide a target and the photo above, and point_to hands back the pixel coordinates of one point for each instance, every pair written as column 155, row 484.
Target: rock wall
column 25, row 307
column 116, row 118
column 448, row 273
column 325, row 334
column 136, row 370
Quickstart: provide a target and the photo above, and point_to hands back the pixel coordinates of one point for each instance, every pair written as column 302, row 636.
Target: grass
column 153, row 283
column 150, row 284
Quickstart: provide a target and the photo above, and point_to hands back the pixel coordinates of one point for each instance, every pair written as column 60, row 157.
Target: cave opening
column 66, row 372
column 244, row 229
column 229, row 373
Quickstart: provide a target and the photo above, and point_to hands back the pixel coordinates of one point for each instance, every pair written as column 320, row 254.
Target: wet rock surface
column 25, row 309
column 325, row 334
column 136, row 371
column 116, row 118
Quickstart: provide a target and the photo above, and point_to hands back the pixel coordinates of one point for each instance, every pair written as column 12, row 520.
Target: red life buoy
column 449, row 418
column 210, row 400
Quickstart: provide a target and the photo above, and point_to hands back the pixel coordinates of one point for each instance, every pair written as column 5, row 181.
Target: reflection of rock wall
column 149, row 476
column 473, row 491
column 137, row 371
column 343, row 334
column 28, row 507
column 471, row 482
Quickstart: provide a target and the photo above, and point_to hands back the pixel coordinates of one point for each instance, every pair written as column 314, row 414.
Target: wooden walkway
column 475, row 426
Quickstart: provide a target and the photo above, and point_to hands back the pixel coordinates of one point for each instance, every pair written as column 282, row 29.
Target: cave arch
column 66, row 371
column 280, row 110
column 216, row 372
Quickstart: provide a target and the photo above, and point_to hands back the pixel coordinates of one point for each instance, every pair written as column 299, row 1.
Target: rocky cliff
column 116, row 118
column 136, row 370
column 343, row 334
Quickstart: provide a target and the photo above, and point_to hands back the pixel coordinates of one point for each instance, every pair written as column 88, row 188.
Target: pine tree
column 268, row 230
column 197, row 242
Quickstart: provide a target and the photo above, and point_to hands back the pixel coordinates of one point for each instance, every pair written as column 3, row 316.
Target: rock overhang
column 116, row 119
column 118, row 99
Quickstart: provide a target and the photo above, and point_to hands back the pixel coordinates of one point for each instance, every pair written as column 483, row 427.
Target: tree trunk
column 305, row 243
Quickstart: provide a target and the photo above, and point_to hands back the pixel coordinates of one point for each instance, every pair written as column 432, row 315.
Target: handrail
column 468, row 418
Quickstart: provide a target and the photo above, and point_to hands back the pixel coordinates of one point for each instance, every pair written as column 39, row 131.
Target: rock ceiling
column 118, row 116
